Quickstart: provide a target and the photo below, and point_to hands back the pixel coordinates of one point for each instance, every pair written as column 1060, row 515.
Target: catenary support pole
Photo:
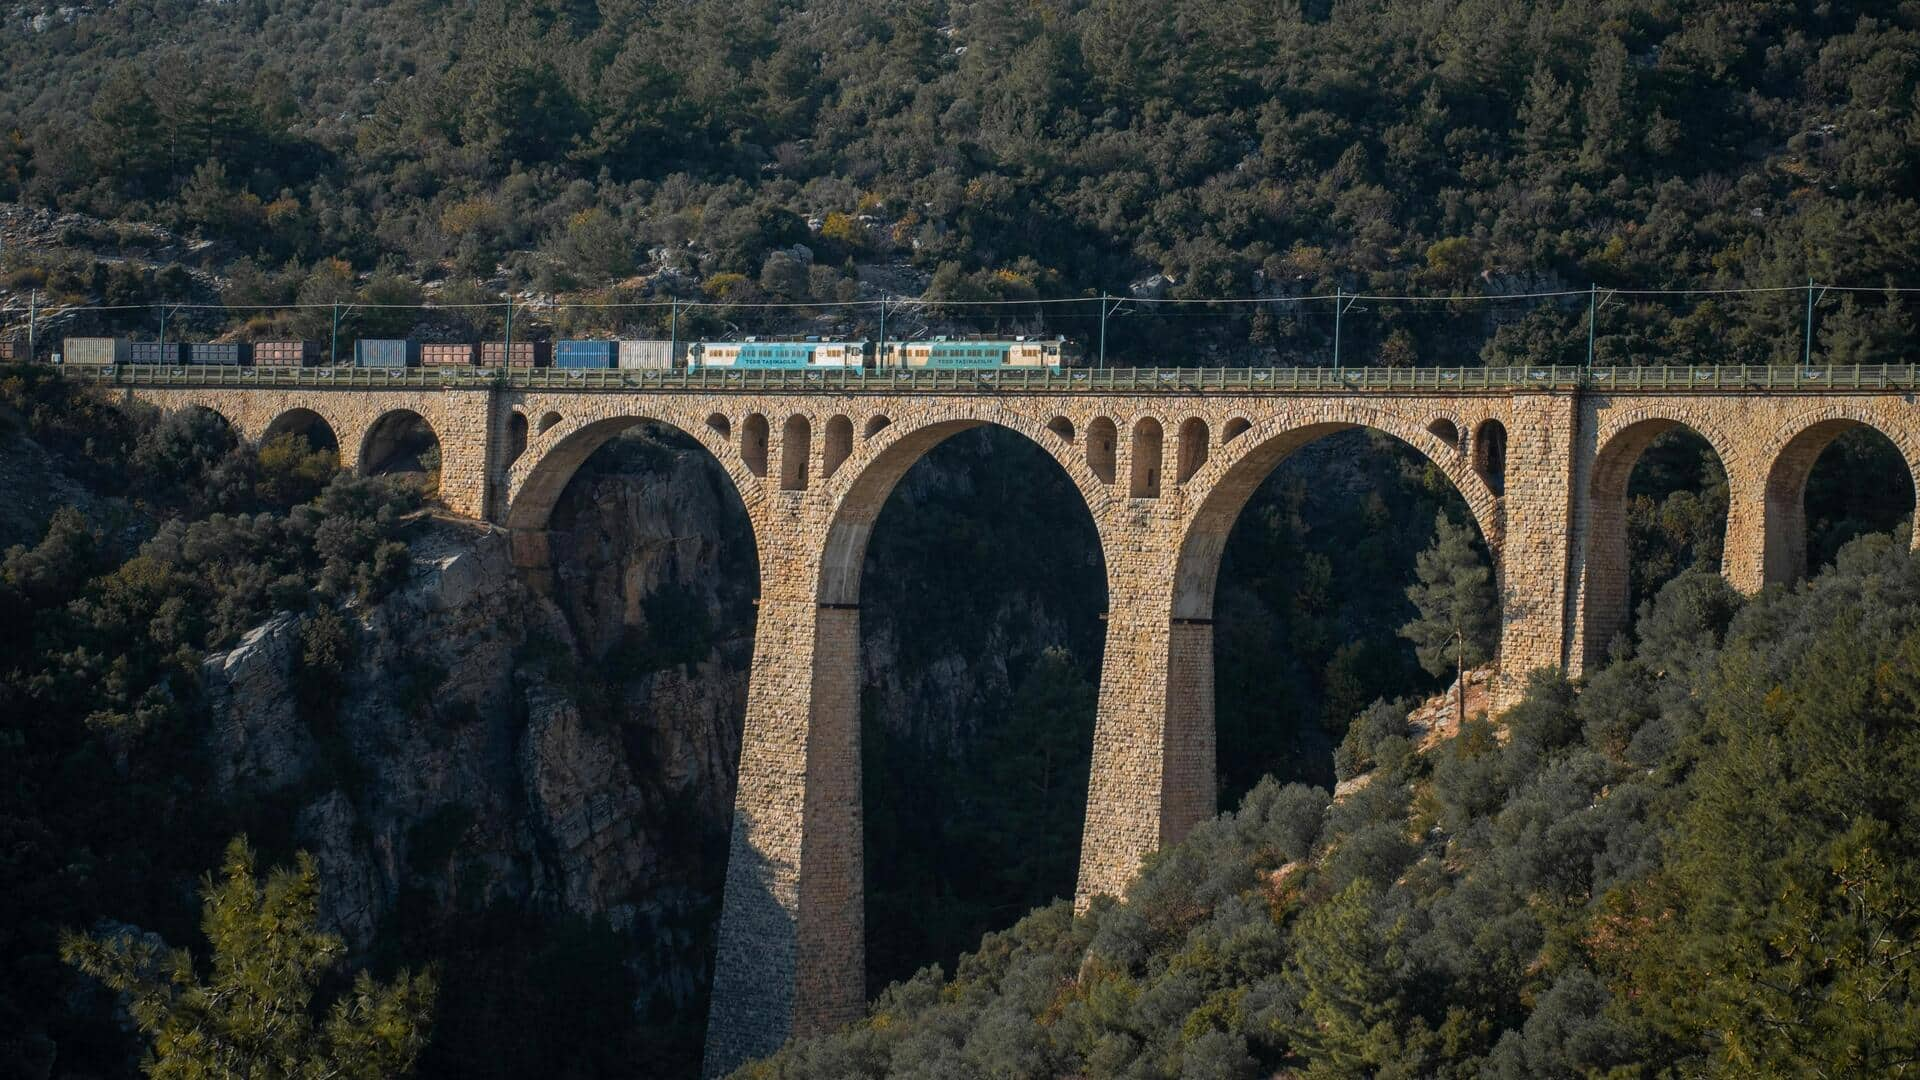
column 1339, row 309
column 1806, row 356
column 333, row 343
column 1103, row 329
column 1593, row 316
column 33, row 325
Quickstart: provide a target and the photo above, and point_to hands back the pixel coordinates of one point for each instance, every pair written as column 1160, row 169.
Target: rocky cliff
column 495, row 750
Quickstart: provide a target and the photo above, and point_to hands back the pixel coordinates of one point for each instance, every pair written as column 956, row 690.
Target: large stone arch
column 1230, row 479
column 1619, row 441
column 877, row 466
column 1622, row 437
column 791, row 950
column 536, row 478
column 1789, row 457
column 1154, row 754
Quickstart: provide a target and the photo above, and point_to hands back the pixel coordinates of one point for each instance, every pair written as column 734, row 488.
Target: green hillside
column 1003, row 150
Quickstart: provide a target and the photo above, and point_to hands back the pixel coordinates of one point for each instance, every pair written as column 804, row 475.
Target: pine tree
column 255, row 1016
column 1454, row 595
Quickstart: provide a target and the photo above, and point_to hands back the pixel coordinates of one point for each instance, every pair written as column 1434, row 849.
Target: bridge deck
column 1869, row 377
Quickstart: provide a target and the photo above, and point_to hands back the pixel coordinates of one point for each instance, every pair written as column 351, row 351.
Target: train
column 809, row 353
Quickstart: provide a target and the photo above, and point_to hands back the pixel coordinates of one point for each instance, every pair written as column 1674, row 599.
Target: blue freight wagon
column 155, row 352
column 386, row 353
column 585, row 354
column 230, row 354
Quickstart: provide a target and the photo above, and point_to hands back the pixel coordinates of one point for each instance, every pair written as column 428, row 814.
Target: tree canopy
column 255, row 1014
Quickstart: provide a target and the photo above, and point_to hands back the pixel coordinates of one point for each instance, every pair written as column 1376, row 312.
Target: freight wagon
column 523, row 354
column 441, row 354
column 753, row 353
column 653, row 355
column 286, row 353
column 222, row 354
column 386, row 353
column 585, row 354
column 95, row 350
column 156, row 352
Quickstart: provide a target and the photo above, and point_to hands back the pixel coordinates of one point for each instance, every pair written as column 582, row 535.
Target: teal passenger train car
column 754, row 353
column 977, row 353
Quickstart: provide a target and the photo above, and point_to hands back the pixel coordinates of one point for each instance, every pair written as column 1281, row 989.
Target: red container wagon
column 443, row 354
column 523, row 354
column 286, row 353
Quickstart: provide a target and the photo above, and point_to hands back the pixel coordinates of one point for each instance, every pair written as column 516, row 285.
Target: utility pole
column 1807, row 352
column 1339, row 309
column 1103, row 329
column 1593, row 314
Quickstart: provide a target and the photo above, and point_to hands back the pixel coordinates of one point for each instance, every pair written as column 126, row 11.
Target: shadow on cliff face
column 556, row 841
column 981, row 647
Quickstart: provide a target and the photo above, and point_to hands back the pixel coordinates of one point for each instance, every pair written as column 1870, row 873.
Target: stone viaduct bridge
column 1164, row 460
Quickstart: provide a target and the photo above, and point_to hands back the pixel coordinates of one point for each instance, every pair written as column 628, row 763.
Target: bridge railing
column 1079, row 380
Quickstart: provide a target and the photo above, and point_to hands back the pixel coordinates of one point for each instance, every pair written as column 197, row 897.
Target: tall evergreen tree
column 1458, row 620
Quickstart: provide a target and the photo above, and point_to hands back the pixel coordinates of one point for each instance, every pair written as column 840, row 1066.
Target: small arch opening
column 401, row 444
column 1062, row 427
column 305, row 424
column 838, row 447
column 1446, row 431
column 718, row 422
column 548, row 420
column 1490, row 455
column 753, row 444
column 1193, row 447
column 1235, row 428
column 796, row 444
column 1658, row 507
column 875, row 425
column 1103, row 436
column 1144, row 477
column 1834, row 482
column 516, row 436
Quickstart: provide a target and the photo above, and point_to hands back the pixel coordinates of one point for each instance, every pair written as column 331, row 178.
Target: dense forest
column 999, row 151
column 1562, row 892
